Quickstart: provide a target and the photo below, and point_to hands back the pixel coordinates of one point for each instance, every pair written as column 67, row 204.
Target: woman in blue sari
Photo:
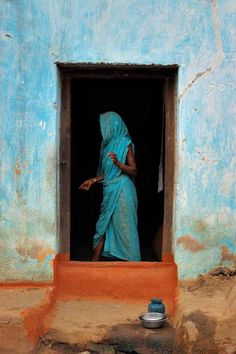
column 116, row 229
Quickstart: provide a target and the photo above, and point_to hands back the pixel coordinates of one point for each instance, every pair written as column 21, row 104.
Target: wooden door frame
column 67, row 72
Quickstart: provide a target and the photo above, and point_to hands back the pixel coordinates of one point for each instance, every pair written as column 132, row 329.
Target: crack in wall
column 198, row 76
column 219, row 50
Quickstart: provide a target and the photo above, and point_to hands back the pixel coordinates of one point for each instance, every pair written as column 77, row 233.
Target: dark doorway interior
column 140, row 104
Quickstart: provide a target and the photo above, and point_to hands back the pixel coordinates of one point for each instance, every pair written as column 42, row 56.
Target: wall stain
column 17, row 169
column 190, row 244
column 32, row 249
column 43, row 253
column 200, row 226
column 51, row 168
column 27, row 248
column 226, row 255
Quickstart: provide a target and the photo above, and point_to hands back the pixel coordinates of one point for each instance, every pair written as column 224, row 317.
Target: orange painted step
column 121, row 281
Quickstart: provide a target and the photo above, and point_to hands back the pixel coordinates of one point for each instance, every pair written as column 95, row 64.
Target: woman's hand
column 86, row 185
column 129, row 168
column 113, row 156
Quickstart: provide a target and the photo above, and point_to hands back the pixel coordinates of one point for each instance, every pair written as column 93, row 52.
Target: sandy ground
column 12, row 301
column 206, row 316
column 13, row 337
column 78, row 324
column 84, row 321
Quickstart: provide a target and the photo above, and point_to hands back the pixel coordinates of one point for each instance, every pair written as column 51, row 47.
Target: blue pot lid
column 156, row 300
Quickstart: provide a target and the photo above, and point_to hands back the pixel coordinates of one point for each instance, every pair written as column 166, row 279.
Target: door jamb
column 166, row 73
column 170, row 169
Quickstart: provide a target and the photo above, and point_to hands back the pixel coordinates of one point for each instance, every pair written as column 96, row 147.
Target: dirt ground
column 206, row 318
column 103, row 327
column 13, row 301
column 85, row 321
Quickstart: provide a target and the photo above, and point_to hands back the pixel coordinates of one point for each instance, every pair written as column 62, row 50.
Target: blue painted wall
column 196, row 34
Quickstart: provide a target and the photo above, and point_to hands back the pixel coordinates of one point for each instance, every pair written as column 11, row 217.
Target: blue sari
column 118, row 217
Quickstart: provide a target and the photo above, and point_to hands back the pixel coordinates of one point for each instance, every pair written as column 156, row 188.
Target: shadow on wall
column 196, row 334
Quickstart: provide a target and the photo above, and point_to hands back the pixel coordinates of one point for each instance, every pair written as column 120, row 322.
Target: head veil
column 115, row 137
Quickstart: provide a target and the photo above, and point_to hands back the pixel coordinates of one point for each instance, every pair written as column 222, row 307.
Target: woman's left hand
column 113, row 156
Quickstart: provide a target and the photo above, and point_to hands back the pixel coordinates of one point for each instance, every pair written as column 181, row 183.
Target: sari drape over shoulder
column 118, row 216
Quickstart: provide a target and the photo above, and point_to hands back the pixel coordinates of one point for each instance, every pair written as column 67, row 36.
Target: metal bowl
column 153, row 319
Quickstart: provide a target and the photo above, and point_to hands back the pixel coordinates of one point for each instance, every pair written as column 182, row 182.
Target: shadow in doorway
column 140, row 104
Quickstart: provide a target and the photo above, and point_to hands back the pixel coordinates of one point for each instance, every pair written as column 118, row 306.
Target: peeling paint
column 190, row 243
column 226, row 255
column 33, row 250
column 200, row 226
column 42, row 254
column 17, row 171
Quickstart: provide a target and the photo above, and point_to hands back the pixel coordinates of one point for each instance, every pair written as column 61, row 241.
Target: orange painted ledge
column 28, row 284
column 37, row 319
column 117, row 281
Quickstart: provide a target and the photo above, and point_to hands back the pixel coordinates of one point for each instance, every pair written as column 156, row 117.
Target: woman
column 116, row 229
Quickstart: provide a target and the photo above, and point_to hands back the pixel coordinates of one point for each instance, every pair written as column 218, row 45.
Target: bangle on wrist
column 94, row 180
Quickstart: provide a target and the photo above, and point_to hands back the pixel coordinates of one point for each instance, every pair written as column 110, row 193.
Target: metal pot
column 153, row 319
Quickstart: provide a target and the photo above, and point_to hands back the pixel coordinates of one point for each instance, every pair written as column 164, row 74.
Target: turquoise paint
column 199, row 36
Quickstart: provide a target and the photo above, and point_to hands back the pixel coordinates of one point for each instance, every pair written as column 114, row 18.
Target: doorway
column 139, row 95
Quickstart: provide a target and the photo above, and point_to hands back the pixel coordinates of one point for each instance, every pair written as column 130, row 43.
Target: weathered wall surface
column 199, row 35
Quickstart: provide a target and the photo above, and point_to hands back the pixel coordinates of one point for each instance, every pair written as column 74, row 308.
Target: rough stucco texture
column 198, row 35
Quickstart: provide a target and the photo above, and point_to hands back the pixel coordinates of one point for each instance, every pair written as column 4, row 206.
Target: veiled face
column 112, row 126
